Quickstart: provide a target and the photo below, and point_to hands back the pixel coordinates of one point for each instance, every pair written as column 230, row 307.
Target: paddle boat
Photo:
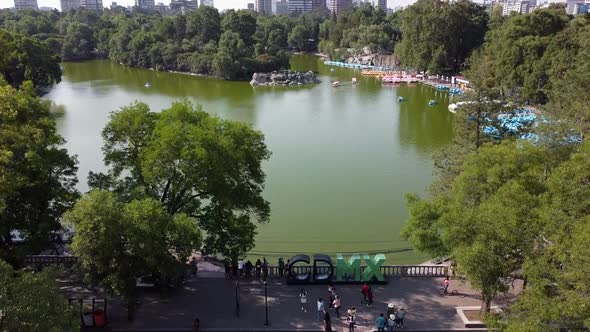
column 354, row 81
column 432, row 102
column 400, row 99
column 147, row 84
column 336, row 83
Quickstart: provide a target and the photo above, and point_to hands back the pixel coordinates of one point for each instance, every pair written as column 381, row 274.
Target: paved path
column 212, row 299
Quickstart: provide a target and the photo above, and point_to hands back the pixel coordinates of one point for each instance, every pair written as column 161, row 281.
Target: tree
column 79, row 43
column 29, row 59
column 242, row 22
column 32, row 302
column 298, row 36
column 204, row 24
column 38, row 176
column 488, row 221
column 193, row 163
column 118, row 242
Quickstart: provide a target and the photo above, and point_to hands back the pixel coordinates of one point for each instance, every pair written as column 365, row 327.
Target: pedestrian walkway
column 213, row 301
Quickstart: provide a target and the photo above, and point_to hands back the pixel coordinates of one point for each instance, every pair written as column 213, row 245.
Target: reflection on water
column 343, row 158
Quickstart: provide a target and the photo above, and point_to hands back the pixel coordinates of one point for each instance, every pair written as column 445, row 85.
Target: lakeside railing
column 273, row 271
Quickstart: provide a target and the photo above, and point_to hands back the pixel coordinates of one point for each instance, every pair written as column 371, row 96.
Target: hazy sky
column 219, row 4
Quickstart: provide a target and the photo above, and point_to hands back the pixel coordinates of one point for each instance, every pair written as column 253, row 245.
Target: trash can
column 99, row 318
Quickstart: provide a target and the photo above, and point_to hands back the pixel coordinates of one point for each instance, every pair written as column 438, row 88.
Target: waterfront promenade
column 212, row 299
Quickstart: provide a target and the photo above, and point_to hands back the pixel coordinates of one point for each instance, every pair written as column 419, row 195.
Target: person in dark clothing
column 234, row 269
column 249, row 268
column 227, row 269
column 288, row 268
column 327, row 322
column 281, row 267
column 258, row 268
column 196, row 325
column 369, row 297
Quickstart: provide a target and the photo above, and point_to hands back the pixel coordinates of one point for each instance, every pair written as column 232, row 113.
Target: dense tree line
column 504, row 208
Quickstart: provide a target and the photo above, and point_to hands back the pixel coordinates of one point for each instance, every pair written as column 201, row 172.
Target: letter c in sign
column 299, row 276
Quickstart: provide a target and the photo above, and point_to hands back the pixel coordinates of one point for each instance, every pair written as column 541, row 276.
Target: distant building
column 116, row 8
column 336, row 6
column 282, row 7
column 25, row 4
column 382, row 4
column 263, row 6
column 184, row 5
column 67, row 5
column 515, row 6
column 161, row 7
column 304, row 6
column 575, row 7
column 91, row 4
column 145, row 4
column 250, row 6
column 207, row 3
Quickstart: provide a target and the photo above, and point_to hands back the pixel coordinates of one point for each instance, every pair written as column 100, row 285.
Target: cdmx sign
column 322, row 270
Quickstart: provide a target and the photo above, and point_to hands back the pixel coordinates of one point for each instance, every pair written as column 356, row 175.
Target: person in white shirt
column 240, row 268
column 320, row 309
column 303, row 298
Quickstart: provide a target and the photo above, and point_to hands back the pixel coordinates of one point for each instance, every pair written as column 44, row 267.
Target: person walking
column 281, row 267
column 327, row 322
column 196, row 324
column 446, row 283
column 369, row 297
column 320, row 308
column 248, row 267
column 380, row 323
column 227, row 269
column 303, row 299
column 240, row 268
column 331, row 294
column 258, row 267
column 401, row 313
column 336, row 304
column 391, row 322
column 365, row 291
column 194, row 266
column 351, row 319
column 288, row 268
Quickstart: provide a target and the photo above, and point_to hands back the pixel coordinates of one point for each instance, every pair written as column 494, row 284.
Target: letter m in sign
column 350, row 269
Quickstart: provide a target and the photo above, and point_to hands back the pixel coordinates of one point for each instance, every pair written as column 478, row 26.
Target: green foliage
column 79, row 43
column 117, row 242
column 193, row 163
column 32, row 302
column 37, row 177
column 440, row 36
column 27, row 59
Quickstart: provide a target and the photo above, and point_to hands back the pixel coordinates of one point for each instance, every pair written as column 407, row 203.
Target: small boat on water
column 432, row 102
column 147, row 84
column 354, row 81
column 331, row 69
column 400, row 99
column 336, row 83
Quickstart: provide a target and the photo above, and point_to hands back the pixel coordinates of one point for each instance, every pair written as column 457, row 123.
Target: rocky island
column 284, row 78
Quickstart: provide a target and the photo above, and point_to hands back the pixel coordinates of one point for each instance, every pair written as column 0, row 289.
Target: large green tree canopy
column 193, row 163
column 37, row 176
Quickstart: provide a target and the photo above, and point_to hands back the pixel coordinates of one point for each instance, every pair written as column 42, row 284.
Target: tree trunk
column 486, row 303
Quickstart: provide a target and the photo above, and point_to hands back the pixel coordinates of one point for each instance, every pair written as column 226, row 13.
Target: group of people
column 394, row 318
column 239, row 269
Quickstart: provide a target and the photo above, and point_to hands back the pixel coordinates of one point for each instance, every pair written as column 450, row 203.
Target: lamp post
column 265, row 304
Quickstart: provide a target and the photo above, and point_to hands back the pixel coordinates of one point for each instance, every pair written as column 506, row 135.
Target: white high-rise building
column 67, row 5
column 25, row 4
column 207, row 3
column 517, row 6
column 263, row 6
column 336, row 6
column 282, row 7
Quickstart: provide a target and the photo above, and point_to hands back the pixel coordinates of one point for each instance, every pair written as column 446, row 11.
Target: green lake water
column 342, row 158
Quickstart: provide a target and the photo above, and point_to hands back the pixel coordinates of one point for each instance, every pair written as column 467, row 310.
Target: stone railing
column 388, row 270
column 273, row 271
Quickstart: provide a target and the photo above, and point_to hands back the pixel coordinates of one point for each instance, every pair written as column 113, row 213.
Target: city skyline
column 219, row 4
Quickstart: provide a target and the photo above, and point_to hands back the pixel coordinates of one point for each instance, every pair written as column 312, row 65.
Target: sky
column 219, row 4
